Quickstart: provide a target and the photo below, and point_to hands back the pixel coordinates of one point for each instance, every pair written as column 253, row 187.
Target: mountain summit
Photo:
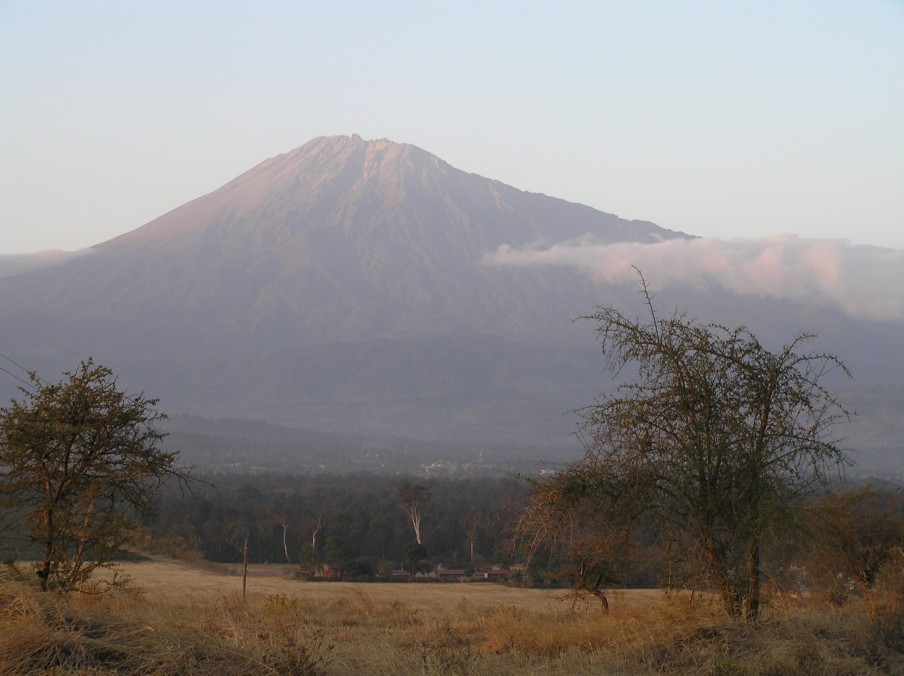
column 374, row 190
column 340, row 240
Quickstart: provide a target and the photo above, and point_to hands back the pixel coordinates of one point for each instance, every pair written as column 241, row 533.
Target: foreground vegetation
column 176, row 619
column 710, row 442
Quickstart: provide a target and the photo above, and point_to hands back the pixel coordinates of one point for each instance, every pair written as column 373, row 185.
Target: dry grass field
column 175, row 618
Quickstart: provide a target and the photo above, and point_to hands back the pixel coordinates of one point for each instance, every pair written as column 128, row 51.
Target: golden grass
column 177, row 619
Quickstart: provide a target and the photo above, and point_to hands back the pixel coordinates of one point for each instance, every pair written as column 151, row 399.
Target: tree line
column 352, row 524
column 360, row 526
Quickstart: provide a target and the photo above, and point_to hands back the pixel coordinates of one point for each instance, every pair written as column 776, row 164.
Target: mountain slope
column 343, row 287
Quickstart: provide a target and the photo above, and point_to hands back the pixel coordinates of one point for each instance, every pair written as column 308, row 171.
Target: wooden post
column 244, row 568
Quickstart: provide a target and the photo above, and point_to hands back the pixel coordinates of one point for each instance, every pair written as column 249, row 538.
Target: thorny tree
column 576, row 527
column 714, row 440
column 853, row 536
column 80, row 463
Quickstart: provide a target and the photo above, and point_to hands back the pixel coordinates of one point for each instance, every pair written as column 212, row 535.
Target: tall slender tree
column 414, row 500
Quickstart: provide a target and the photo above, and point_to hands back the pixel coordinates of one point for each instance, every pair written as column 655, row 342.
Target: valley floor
column 176, row 618
column 181, row 583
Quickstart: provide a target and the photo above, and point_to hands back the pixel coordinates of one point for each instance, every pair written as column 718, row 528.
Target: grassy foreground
column 178, row 619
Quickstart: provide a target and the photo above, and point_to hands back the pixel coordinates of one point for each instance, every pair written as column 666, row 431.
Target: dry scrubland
column 178, row 619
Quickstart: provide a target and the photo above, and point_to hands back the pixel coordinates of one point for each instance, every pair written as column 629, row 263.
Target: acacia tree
column 853, row 535
column 576, row 527
column 714, row 440
column 80, row 463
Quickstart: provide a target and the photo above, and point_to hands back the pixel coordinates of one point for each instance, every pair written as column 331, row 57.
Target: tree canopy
column 79, row 464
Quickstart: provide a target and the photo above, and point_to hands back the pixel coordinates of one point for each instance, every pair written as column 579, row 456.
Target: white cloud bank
column 16, row 264
column 866, row 282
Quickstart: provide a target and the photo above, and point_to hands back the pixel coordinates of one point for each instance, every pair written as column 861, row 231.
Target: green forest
column 356, row 527
column 351, row 524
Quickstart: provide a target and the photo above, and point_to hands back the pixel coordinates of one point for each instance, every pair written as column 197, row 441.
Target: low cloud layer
column 866, row 282
column 16, row 264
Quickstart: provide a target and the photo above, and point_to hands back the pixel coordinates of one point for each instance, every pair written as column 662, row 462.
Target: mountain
column 345, row 287
column 341, row 239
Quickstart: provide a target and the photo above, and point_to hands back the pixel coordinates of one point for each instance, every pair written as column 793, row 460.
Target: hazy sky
column 722, row 119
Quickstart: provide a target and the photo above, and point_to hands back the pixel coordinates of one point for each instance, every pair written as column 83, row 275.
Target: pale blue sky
column 722, row 119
